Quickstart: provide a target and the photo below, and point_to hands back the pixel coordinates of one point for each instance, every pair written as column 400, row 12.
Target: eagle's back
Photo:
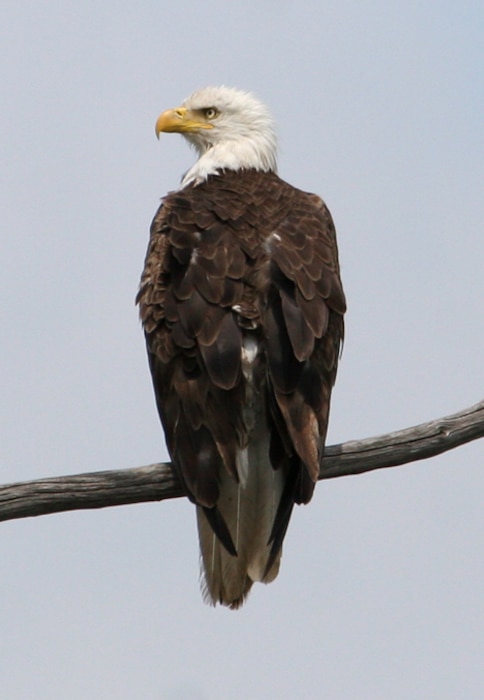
column 242, row 307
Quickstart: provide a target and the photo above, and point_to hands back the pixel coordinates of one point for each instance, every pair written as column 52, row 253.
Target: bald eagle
column 242, row 307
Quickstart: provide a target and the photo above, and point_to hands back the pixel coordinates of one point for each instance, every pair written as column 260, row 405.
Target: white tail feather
column 249, row 508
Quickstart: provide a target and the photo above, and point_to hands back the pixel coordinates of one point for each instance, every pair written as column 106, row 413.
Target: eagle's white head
column 230, row 129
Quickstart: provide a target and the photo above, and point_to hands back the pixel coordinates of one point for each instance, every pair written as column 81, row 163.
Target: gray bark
column 156, row 482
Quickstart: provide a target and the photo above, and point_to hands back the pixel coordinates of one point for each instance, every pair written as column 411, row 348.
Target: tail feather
column 248, row 508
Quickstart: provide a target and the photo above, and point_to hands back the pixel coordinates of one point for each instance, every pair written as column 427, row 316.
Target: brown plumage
column 242, row 307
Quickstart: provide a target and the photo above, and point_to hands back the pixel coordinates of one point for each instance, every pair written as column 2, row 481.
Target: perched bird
column 242, row 308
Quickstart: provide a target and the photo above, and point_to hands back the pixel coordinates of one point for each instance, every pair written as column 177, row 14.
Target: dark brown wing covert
column 242, row 254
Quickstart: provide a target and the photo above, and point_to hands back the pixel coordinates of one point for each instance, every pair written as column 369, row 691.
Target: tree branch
column 157, row 482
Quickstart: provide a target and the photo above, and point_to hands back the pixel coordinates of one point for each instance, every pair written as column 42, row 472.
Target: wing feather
column 242, row 307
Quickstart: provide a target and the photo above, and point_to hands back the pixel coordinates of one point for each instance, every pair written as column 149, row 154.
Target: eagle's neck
column 256, row 152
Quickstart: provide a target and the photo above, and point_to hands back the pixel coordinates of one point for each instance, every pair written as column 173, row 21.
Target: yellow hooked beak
column 180, row 120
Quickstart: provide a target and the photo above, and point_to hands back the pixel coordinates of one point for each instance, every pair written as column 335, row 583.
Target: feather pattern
column 242, row 309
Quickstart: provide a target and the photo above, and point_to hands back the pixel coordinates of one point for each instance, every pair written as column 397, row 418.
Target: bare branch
column 157, row 482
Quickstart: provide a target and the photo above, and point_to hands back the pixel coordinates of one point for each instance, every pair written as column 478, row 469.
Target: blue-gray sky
column 380, row 110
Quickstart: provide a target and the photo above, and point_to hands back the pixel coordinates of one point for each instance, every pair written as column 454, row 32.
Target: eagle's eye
column 211, row 113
